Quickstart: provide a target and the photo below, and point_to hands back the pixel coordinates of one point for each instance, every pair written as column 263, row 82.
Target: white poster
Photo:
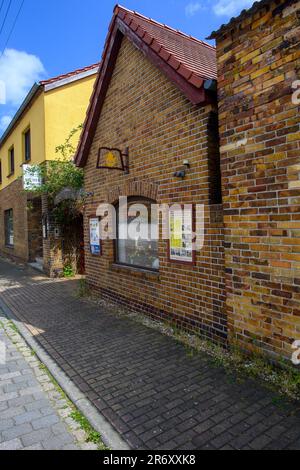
column 31, row 178
column 181, row 235
column 95, row 236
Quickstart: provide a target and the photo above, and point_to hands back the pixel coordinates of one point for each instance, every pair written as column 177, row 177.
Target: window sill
column 137, row 272
column 10, row 175
column 10, row 247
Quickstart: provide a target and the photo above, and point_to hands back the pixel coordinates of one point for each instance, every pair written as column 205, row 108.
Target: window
column 9, row 227
column 11, row 163
column 27, row 146
column 135, row 246
column 0, row 172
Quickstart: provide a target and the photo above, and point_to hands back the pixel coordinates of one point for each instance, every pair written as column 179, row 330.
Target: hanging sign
column 113, row 159
column 31, row 178
column 181, row 235
column 95, row 243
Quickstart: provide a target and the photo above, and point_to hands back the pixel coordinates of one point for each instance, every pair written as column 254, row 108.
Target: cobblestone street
column 28, row 419
column 144, row 383
column 34, row 415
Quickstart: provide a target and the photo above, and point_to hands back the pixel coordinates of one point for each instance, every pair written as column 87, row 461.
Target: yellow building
column 44, row 121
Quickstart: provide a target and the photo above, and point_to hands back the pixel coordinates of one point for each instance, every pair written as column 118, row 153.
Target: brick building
column 152, row 97
column 44, row 121
column 258, row 57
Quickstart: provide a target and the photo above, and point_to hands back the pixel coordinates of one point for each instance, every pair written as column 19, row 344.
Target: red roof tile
column 187, row 61
column 70, row 74
column 184, row 53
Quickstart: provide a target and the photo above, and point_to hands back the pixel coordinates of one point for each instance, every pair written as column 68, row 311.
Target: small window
column 9, row 227
column 138, row 250
column 11, row 157
column 27, row 146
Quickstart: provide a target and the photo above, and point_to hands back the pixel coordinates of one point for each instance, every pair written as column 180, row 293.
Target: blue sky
column 56, row 36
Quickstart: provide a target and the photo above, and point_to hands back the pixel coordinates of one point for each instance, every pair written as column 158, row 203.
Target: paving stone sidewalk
column 33, row 414
column 153, row 393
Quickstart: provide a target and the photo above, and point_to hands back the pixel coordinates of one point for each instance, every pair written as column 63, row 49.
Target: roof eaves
column 37, row 87
column 70, row 79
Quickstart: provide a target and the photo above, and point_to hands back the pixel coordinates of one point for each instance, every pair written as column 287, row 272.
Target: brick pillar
column 52, row 244
column 34, row 224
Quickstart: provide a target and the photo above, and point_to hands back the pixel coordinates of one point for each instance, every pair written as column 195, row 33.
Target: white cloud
column 4, row 122
column 192, row 8
column 19, row 70
column 231, row 7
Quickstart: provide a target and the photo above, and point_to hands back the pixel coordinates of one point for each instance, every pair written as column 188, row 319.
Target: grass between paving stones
column 281, row 377
column 92, row 435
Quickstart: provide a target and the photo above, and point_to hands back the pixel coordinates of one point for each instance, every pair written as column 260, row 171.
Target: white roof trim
column 73, row 78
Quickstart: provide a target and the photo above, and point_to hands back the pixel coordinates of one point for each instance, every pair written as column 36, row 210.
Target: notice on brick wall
column 95, row 243
column 181, row 235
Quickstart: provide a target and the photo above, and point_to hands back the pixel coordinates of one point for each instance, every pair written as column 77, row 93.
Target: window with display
column 137, row 228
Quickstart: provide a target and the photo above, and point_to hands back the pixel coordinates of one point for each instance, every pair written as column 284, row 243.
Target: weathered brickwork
column 35, row 233
column 13, row 197
column 26, row 223
column 146, row 112
column 258, row 61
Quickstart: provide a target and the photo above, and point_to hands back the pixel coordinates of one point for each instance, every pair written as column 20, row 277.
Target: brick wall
column 34, row 226
column 52, row 244
column 147, row 113
column 13, row 197
column 258, row 61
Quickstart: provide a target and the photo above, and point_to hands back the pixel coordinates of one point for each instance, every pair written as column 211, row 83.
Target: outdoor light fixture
column 182, row 173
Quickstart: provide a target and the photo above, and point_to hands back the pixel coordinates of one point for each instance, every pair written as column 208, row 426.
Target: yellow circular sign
column 111, row 160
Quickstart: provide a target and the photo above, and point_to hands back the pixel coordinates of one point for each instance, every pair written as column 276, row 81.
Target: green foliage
column 68, row 271
column 60, row 173
column 92, row 435
column 57, row 175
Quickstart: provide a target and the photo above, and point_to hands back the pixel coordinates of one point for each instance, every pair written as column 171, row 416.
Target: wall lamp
column 182, row 173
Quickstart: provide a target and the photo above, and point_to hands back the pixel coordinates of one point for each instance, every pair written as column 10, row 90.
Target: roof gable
column 44, row 86
column 186, row 61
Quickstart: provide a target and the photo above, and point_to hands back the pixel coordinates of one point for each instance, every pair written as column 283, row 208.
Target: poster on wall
column 31, row 178
column 95, row 243
column 181, row 235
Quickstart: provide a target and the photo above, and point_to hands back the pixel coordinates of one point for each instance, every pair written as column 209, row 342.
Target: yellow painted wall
column 65, row 109
column 33, row 118
column 51, row 118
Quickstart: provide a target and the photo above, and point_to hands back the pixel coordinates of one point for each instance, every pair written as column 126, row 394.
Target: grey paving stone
column 14, row 444
column 33, row 447
column 57, row 442
column 37, row 405
column 16, row 431
column 30, row 391
column 27, row 417
column 45, row 421
column 8, row 396
column 35, row 437
column 59, row 428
